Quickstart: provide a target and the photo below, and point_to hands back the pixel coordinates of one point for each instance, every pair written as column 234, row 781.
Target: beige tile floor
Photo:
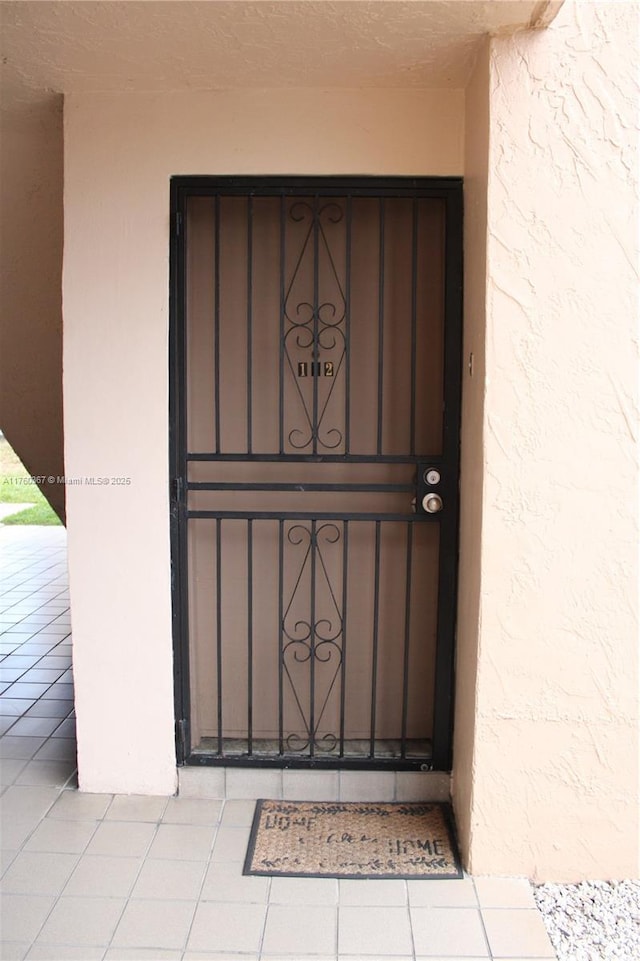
column 120, row 878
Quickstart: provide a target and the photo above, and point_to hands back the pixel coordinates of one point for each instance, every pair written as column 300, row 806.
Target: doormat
column 325, row 839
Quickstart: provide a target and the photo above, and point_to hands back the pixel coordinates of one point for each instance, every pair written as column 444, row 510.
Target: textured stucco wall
column 476, row 172
column 555, row 759
column 30, row 283
column 120, row 150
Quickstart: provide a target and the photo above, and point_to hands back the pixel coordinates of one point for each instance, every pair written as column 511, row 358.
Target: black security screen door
column 315, row 431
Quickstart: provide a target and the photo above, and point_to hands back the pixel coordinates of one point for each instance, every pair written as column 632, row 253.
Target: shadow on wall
column 31, row 225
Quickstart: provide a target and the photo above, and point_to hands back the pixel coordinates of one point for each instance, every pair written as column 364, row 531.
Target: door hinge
column 181, row 737
column 177, row 488
column 178, row 223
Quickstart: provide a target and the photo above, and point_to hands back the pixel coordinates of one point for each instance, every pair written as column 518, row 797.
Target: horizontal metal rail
column 293, row 762
column 327, row 187
column 301, row 486
column 311, row 516
column 315, row 458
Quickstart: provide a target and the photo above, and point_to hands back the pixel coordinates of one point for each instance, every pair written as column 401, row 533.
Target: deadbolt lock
column 428, row 477
column 432, row 503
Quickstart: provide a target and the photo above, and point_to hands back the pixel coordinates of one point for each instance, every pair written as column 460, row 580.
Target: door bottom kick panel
column 315, row 763
column 356, row 748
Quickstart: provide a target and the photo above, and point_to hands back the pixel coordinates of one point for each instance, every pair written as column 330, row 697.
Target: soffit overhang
column 78, row 46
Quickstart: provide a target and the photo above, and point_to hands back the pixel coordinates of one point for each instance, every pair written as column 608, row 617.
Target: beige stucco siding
column 555, row 761
column 476, row 161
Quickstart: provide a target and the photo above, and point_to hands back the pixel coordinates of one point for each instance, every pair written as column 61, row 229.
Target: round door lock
column 432, row 503
column 432, row 476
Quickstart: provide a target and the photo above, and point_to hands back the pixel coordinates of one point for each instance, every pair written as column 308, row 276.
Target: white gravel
column 592, row 921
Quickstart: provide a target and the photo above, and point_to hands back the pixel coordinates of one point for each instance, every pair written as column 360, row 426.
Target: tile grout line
column 484, row 929
column 35, row 590
column 56, row 898
column 338, row 911
column 143, row 859
column 104, row 820
column 411, row 932
column 198, row 899
column 7, row 694
column 266, row 912
column 6, row 636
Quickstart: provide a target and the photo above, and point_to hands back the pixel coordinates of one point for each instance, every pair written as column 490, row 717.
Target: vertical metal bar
column 347, row 334
column 312, row 644
column 380, row 319
column 282, row 306
column 216, row 324
column 178, row 377
column 249, row 322
column 315, row 354
column 250, row 636
column 407, row 639
column 447, row 587
column 343, row 663
column 280, row 636
column 414, row 309
column 374, row 656
column 219, row 626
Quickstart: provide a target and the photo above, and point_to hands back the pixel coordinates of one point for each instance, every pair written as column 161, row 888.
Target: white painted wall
column 546, row 775
column 120, row 150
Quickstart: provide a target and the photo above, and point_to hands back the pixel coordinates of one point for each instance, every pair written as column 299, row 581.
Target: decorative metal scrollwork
column 315, row 324
column 313, row 638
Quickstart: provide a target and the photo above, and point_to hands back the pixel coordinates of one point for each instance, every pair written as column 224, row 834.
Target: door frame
column 450, row 190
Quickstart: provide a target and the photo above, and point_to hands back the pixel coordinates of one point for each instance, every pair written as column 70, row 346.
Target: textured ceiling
column 188, row 44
